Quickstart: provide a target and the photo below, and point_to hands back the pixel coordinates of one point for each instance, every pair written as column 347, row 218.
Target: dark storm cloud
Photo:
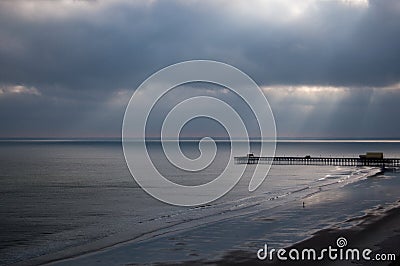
column 86, row 57
column 31, row 114
column 121, row 44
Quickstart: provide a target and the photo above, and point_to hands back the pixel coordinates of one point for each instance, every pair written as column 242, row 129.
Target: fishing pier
column 369, row 159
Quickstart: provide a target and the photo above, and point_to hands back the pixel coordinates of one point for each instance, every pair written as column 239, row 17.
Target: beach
column 83, row 208
column 222, row 242
column 379, row 232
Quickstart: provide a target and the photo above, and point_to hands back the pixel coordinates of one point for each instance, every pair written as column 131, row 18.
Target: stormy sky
column 330, row 69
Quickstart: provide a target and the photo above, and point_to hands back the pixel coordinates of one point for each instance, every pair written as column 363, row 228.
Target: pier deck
column 385, row 162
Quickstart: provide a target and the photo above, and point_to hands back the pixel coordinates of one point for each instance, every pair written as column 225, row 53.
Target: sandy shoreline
column 380, row 233
column 377, row 229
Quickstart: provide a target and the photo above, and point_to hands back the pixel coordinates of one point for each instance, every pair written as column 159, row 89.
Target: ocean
column 72, row 197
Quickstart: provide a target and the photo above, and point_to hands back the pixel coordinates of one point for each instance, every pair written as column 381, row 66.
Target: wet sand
column 235, row 241
column 378, row 230
column 380, row 233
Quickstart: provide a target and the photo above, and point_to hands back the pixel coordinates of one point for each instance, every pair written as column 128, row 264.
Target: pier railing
column 385, row 162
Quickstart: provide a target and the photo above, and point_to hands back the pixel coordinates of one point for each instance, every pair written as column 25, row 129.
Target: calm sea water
column 58, row 195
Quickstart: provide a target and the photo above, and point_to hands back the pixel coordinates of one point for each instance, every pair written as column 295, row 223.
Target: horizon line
column 196, row 139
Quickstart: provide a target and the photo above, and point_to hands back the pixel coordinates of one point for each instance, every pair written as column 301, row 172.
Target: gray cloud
column 86, row 57
column 332, row 112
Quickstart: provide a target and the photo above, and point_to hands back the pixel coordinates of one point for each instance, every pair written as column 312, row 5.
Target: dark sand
column 378, row 230
column 380, row 233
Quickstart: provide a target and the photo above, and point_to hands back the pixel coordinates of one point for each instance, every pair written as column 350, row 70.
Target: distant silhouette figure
column 303, row 205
